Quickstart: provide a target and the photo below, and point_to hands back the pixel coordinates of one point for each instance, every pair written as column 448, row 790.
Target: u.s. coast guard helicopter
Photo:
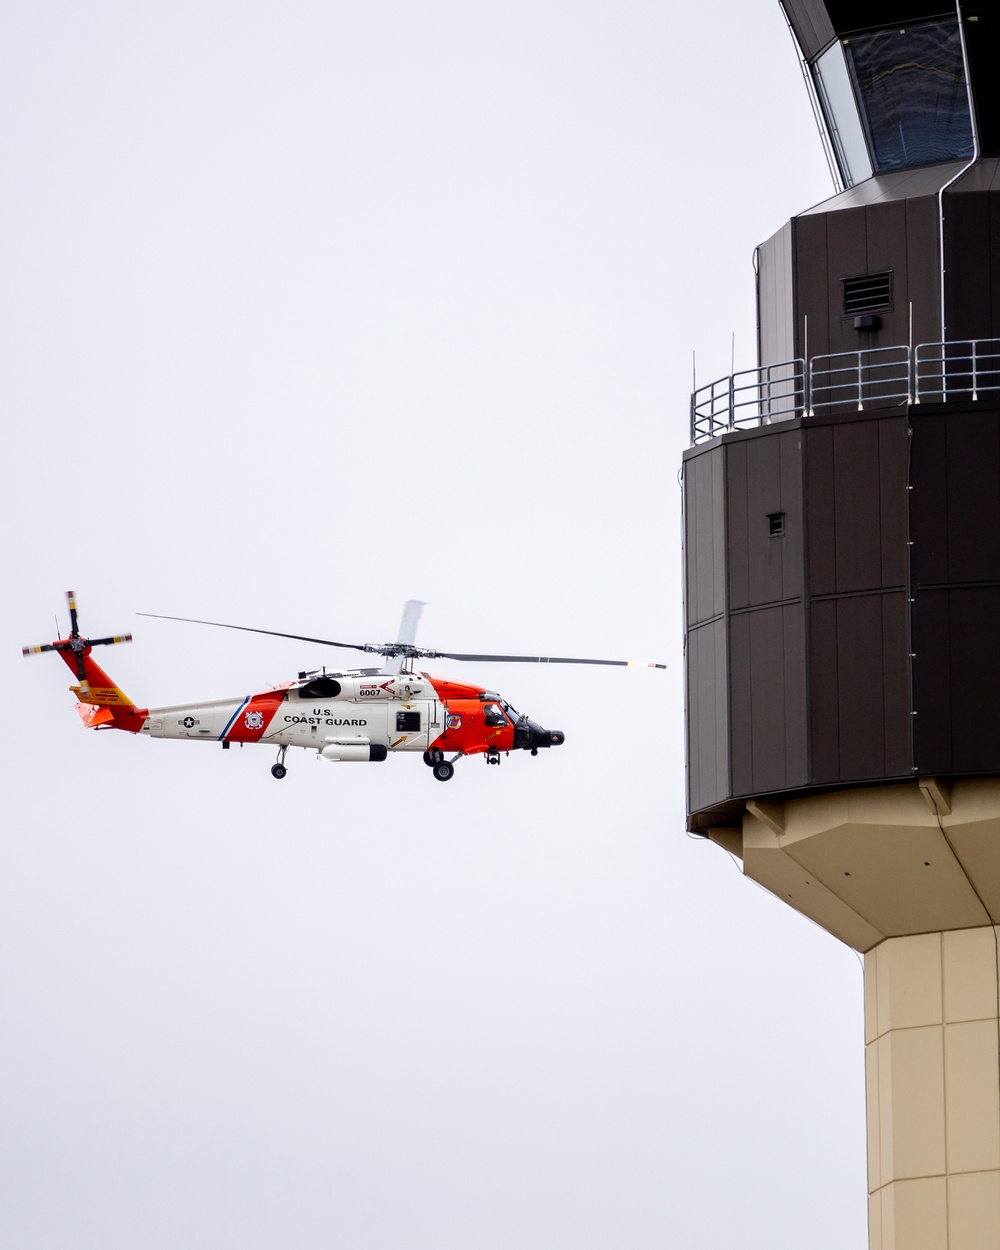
column 352, row 715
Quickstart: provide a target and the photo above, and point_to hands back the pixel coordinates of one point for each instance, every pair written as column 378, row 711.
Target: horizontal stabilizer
column 94, row 717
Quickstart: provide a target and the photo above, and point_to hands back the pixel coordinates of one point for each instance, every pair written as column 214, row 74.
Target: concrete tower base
column 933, row 1091
column 910, row 875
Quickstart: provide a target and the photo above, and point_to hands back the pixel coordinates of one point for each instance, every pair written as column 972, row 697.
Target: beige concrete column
column 909, row 875
column 933, row 1092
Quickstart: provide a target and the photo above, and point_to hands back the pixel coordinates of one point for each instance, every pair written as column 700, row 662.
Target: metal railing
column 747, row 399
column 931, row 372
column 880, row 375
column 962, row 369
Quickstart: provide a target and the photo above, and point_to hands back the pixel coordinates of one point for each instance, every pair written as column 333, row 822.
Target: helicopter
column 346, row 715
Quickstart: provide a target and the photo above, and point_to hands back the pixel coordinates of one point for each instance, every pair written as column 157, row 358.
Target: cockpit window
column 493, row 715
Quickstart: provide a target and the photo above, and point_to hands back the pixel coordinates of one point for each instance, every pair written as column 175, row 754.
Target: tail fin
column 97, row 687
column 101, row 704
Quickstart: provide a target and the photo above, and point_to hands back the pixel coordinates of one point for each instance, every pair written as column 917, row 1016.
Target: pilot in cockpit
column 493, row 715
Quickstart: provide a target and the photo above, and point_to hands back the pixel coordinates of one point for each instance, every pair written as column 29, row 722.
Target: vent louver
column 872, row 292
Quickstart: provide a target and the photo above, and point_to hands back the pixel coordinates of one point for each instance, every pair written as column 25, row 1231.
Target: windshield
column 493, row 714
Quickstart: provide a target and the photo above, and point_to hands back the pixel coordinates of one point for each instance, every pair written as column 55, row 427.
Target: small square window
column 408, row 722
column 775, row 524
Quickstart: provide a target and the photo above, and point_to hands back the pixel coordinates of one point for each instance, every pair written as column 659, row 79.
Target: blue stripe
column 235, row 714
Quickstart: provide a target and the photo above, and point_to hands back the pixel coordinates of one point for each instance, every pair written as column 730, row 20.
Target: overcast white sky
column 310, row 308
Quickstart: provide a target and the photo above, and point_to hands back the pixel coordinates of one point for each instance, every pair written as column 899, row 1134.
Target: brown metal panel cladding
column 790, row 446
column 796, row 701
column 903, row 184
column 923, row 279
column 812, row 285
column 859, row 687
column 955, row 501
column 811, row 23
column 693, row 471
column 957, row 680
column 974, row 627
column 932, row 724
column 763, row 477
column 708, row 739
column 973, row 491
column 775, row 298
column 767, row 700
column 824, row 698
column 857, row 519
column 738, row 558
column 893, row 453
column 718, row 601
column 896, row 684
column 968, row 299
column 982, row 176
column 740, row 704
column 994, row 215
column 847, row 251
column 704, row 535
column 928, row 499
column 885, row 227
column 763, row 498
column 818, row 492
column 711, row 553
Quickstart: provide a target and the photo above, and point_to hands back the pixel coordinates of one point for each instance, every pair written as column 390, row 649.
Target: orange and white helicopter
column 350, row 715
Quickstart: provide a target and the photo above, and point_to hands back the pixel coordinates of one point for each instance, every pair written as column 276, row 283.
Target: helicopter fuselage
column 361, row 709
column 357, row 716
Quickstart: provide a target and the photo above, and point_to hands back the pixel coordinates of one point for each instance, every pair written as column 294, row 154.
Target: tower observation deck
column 842, row 596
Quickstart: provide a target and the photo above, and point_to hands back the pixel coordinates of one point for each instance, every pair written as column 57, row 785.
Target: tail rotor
column 77, row 645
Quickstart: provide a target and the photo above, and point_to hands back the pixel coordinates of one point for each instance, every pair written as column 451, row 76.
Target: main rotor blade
column 412, row 610
column 405, row 648
column 74, row 629
column 541, row 659
column 249, row 629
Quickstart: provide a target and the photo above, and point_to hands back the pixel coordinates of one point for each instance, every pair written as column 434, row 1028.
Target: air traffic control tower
column 842, row 606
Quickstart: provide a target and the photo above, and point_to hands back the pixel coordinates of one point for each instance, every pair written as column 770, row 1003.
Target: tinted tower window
column 911, row 86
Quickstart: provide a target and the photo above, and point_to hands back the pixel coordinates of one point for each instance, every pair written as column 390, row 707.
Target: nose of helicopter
column 529, row 737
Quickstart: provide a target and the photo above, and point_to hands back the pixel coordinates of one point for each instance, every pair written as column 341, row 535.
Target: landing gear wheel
column 431, row 758
column 444, row 771
column 278, row 771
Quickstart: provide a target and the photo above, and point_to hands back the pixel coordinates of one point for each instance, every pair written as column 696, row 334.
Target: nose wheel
column 278, row 769
column 444, row 771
